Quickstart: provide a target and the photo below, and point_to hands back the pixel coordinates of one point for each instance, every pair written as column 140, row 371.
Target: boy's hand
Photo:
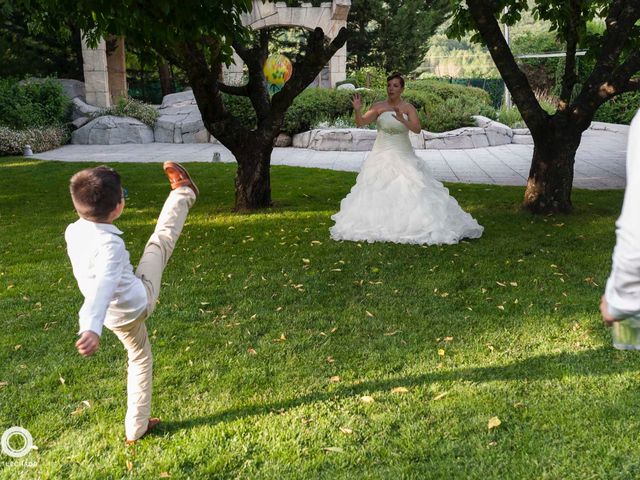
column 88, row 343
column 604, row 310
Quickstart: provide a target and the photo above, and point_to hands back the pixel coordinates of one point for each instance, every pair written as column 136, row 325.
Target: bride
column 396, row 198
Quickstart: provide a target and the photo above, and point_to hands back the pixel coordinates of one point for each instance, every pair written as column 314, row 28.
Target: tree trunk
column 253, row 178
column 551, row 174
column 166, row 85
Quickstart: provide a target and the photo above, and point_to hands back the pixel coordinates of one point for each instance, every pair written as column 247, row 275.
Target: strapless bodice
column 388, row 124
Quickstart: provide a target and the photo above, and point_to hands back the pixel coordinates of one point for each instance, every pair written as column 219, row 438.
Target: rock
column 461, row 138
column 521, row 131
column 283, row 140
column 179, row 99
column 81, row 109
column 346, row 86
column 73, row 88
column 110, row 130
column 522, row 140
column 610, row 127
column 180, row 120
column 337, row 139
column 497, row 133
column 80, row 121
column 301, row 140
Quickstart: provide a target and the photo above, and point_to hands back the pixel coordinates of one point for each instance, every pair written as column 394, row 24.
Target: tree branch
column 569, row 77
column 254, row 58
column 240, row 91
column 520, row 88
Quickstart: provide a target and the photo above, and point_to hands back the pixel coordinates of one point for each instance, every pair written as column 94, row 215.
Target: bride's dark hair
column 398, row 76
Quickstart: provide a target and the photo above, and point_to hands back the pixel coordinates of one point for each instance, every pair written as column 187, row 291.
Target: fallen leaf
column 335, row 379
column 441, row 352
column 3, row 384
column 86, row 402
column 494, row 422
column 492, row 444
column 367, row 399
column 391, row 334
column 440, row 396
column 501, row 284
column 447, row 339
column 513, row 284
column 346, row 431
column 369, row 314
column 165, row 475
column 306, row 260
column 330, row 360
column 316, row 242
column 61, row 380
column 399, row 390
column 129, row 465
column 333, row 449
column 251, row 351
column 17, row 347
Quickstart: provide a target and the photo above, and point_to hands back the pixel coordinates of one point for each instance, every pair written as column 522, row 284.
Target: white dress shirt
column 623, row 286
column 113, row 295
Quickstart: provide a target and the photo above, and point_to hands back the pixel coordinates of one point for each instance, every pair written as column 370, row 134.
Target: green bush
column 12, row 141
column 128, row 107
column 620, row 109
column 33, row 104
column 370, row 77
column 441, row 106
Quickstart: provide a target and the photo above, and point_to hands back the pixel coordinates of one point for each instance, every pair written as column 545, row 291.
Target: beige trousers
column 134, row 335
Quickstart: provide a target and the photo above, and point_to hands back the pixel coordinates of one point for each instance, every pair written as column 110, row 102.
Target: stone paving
column 600, row 161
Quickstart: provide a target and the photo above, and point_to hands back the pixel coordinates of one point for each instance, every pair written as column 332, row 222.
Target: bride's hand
column 356, row 101
column 398, row 115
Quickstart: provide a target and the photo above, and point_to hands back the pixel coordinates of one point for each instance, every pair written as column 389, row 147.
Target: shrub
column 33, row 104
column 370, row 77
column 12, row 142
column 620, row 109
column 128, row 107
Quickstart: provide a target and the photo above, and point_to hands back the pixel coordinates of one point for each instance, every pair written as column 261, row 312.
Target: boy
column 113, row 295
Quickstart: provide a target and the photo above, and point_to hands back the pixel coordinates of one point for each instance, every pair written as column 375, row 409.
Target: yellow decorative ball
column 277, row 70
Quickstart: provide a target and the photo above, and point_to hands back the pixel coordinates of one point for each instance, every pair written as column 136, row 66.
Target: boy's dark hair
column 398, row 76
column 96, row 192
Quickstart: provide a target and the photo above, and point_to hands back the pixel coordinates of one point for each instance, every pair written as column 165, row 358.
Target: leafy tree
column 392, row 34
column 616, row 60
column 198, row 37
column 27, row 50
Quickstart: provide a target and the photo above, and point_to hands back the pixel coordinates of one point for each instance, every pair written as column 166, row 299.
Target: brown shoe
column 179, row 177
column 153, row 423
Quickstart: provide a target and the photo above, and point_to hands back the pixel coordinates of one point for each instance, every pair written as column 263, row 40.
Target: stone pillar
column 96, row 77
column 117, row 69
column 232, row 75
column 338, row 66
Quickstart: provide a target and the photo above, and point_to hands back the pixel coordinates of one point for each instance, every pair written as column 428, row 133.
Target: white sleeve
column 623, row 286
column 108, row 271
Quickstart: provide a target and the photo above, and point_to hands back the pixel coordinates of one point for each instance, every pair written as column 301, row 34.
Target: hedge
column 12, row 142
column 30, row 104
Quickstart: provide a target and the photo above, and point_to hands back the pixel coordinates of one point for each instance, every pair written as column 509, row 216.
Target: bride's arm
column 368, row 117
column 413, row 123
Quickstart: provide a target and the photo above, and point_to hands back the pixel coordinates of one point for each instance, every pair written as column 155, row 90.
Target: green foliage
column 32, row 104
column 620, row 109
column 128, row 107
column 26, row 50
column 512, row 117
column 12, row 142
column 370, row 77
column 314, row 105
column 392, row 34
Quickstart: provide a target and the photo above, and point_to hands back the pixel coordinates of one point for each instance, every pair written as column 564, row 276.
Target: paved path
column 600, row 161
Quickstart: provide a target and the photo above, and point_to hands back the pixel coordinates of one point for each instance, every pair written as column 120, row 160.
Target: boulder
column 467, row 137
column 522, row 139
column 180, row 120
column 346, row 86
column 497, row 133
column 111, row 130
column 301, row 140
column 337, row 139
column 282, row 140
column 80, row 109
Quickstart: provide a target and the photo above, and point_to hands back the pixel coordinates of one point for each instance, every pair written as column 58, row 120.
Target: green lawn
column 270, row 338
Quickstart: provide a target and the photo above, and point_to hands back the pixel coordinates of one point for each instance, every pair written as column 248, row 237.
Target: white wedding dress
column 397, row 199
